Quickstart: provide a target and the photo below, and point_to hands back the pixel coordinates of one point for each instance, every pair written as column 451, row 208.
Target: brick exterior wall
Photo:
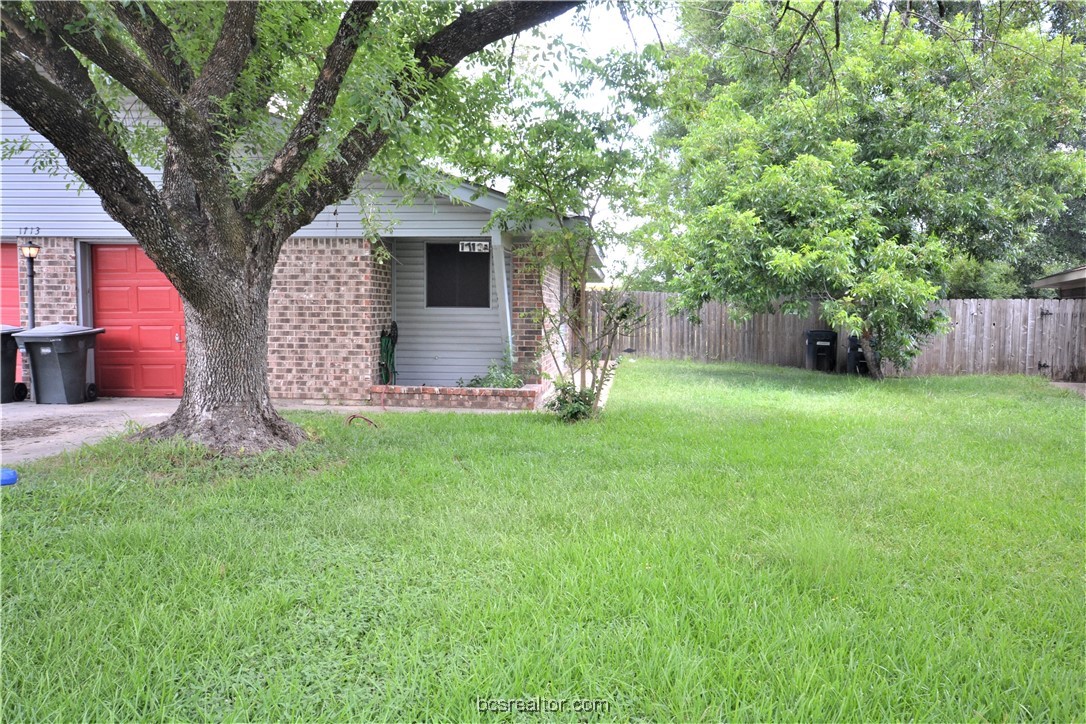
column 533, row 288
column 54, row 286
column 54, row 282
column 329, row 302
column 467, row 398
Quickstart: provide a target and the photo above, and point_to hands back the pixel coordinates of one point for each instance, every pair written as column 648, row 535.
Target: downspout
column 497, row 257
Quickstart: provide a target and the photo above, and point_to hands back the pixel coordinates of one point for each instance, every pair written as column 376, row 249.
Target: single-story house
column 460, row 296
column 1069, row 283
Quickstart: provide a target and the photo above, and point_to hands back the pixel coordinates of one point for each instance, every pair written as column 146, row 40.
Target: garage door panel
column 9, row 284
column 156, row 299
column 156, row 339
column 159, row 378
column 142, row 313
column 116, row 301
column 117, row 339
column 10, row 304
column 122, row 377
column 142, row 263
column 112, row 259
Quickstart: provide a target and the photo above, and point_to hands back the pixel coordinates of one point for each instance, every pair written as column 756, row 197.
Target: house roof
column 1067, row 279
column 481, row 196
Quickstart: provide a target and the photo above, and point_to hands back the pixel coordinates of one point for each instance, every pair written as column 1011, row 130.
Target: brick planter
column 528, row 397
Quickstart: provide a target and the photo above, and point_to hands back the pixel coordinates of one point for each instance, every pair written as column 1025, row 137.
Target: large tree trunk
column 225, row 405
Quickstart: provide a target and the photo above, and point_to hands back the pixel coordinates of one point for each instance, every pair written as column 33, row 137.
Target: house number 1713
column 29, row 230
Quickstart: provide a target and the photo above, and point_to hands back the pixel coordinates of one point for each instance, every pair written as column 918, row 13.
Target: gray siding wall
column 55, row 205
column 439, row 346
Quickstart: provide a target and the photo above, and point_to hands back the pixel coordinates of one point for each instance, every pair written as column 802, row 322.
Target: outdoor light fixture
column 30, row 250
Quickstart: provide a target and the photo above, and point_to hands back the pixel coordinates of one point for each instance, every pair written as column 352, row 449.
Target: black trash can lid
column 8, row 329
column 52, row 331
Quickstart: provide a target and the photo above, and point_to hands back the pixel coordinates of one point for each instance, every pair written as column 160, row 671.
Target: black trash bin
column 58, row 362
column 821, row 350
column 855, row 361
column 9, row 354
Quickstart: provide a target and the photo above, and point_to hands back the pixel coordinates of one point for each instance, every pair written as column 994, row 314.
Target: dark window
column 456, row 278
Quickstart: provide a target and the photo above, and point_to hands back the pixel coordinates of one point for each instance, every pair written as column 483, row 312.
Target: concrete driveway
column 29, row 431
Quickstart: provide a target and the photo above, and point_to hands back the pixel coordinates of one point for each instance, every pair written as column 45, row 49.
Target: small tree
column 565, row 167
column 781, row 235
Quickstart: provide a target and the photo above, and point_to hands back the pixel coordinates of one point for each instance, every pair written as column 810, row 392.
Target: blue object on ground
column 8, row 476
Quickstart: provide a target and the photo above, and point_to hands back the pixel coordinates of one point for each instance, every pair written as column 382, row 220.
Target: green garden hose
column 387, row 365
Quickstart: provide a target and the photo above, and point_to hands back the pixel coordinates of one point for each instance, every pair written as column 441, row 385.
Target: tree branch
column 473, row 31
column 52, row 55
column 183, row 121
column 127, row 195
column 790, row 55
column 825, row 49
column 778, row 20
column 105, row 51
column 228, row 57
column 470, row 32
column 304, row 137
column 836, row 24
column 156, row 41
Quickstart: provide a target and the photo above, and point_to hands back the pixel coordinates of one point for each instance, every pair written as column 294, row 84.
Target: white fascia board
column 484, row 198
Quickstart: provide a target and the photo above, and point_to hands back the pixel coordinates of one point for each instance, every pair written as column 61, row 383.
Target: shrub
column 570, row 403
column 497, row 375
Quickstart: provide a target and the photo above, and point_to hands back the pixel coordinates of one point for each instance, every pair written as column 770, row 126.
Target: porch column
column 497, row 258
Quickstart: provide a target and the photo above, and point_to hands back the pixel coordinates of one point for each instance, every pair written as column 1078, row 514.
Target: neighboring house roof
column 1071, row 283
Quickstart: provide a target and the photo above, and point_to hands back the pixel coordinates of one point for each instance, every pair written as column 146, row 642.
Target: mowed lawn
column 727, row 542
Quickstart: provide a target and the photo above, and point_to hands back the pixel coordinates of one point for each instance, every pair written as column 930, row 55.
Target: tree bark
column 874, row 359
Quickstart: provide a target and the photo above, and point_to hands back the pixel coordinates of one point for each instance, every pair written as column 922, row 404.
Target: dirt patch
column 35, row 428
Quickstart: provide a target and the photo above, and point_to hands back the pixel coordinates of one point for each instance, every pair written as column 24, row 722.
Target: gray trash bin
column 58, row 362
column 9, row 353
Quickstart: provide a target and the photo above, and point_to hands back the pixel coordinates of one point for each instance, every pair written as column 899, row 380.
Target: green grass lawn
column 727, row 542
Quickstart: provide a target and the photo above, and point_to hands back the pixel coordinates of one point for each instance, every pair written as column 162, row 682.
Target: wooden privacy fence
column 987, row 336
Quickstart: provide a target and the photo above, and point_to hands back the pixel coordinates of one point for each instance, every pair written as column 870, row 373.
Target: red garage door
column 9, row 284
column 9, row 293
column 142, row 353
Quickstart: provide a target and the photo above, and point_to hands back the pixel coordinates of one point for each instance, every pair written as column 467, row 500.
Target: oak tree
column 259, row 116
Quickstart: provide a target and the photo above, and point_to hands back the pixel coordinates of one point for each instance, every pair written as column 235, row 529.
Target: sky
column 607, row 30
